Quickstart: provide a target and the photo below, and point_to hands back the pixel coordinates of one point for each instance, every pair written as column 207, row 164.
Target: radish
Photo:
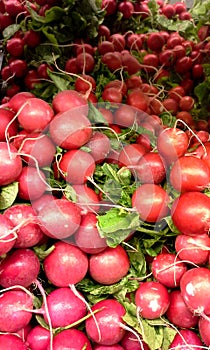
column 155, row 41
column 137, row 99
column 130, row 63
column 126, row 8
column 151, row 168
column 109, row 266
column 35, row 115
column 64, row 307
column 8, row 127
column 73, row 339
column 65, row 265
column 13, row 317
column 86, row 199
column 76, row 166
column 113, row 60
column 204, row 329
column 68, row 99
column 125, row 116
column 10, row 164
column 131, row 342
column 194, row 287
column 99, row 330
column 131, row 154
column 118, row 41
column 151, row 202
column 87, row 237
column 31, row 183
column 71, row 129
column 19, row 100
column 105, row 46
column 32, row 38
column 25, row 223
column 84, row 82
column 151, row 299
column 189, row 173
column 191, row 213
column 178, row 313
column 194, row 249
column 108, row 347
column 186, row 339
column 85, row 63
column 19, row 267
column 11, row 341
column 168, row 269
column 99, row 146
column 112, row 94
column 7, row 235
column 60, row 218
column 38, row 338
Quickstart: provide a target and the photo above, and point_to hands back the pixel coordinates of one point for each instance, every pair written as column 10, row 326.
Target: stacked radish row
column 46, row 147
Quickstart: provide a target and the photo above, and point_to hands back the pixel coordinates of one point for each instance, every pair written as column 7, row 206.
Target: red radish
column 107, row 114
column 71, row 129
column 70, row 66
column 151, row 168
column 60, row 218
column 76, row 166
column 68, row 99
column 7, row 128
column 110, row 6
column 5, row 20
column 39, row 203
column 125, row 116
column 84, row 83
column 99, row 146
column 176, row 93
column 10, row 164
column 133, row 82
column 103, row 31
column 137, row 99
column 179, row 7
column 86, row 199
column 70, row 339
column 14, row 7
column 87, row 237
column 121, row 85
column 7, row 235
column 13, row 317
column 130, row 63
column 193, row 249
column 183, row 64
column 84, row 48
column 39, row 147
column 10, row 341
column 131, row 154
column 19, row 267
column 191, row 213
column 19, row 100
column 65, row 265
column 18, row 67
column 112, row 94
column 155, row 41
column 172, row 143
column 187, row 118
column 99, row 330
column 150, row 62
column 64, row 307
column 38, row 338
column 118, row 41
column 126, row 8
column 168, row 10
column 42, row 70
column 178, row 313
column 194, row 287
column 85, row 63
column 134, row 41
column 151, row 299
column 31, row 183
column 168, row 269
column 32, row 38
column 24, row 219
column 108, row 347
column 170, row 105
column 204, row 329
column 131, row 342
column 186, row 103
column 186, row 339
column 35, row 115
column 15, row 47
column 189, row 173
column 167, row 57
column 109, row 266
column 105, row 46
column 151, row 202
column 113, row 60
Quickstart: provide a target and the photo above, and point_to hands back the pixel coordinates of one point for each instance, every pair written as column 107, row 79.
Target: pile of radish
column 104, row 176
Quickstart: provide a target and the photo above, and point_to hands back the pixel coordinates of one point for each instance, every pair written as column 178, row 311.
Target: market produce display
column 104, row 175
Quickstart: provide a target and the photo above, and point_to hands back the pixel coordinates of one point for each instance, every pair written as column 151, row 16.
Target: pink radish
column 11, row 341
column 131, row 342
column 7, row 235
column 31, row 183
column 38, row 338
column 8, row 128
column 10, row 164
column 99, row 146
column 204, row 329
column 73, row 339
column 86, row 199
column 68, row 99
column 194, row 249
column 186, row 339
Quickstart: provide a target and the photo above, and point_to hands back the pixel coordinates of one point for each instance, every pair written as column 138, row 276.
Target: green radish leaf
column 8, row 194
column 138, row 265
column 43, row 251
column 10, row 30
column 95, row 116
column 61, row 81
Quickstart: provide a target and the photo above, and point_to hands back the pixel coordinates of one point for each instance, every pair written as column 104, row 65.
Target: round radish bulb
column 76, row 166
column 38, row 338
column 191, row 213
column 151, row 299
column 113, row 60
column 7, row 235
column 85, row 62
column 73, row 339
column 194, row 285
column 112, row 94
column 71, row 129
column 186, row 339
column 108, row 347
column 86, row 199
column 151, row 202
column 155, row 41
column 125, row 116
column 106, row 333
column 131, row 342
column 60, row 218
column 64, row 307
column 18, row 100
column 12, row 341
column 126, row 8
column 130, row 63
column 7, row 128
column 168, row 269
column 137, row 99
column 15, row 311
column 35, row 115
column 151, row 168
column 28, row 232
column 31, row 183
column 109, row 266
column 19, row 267
column 65, row 265
column 204, row 329
column 178, row 313
column 99, row 146
column 172, row 144
column 84, row 83
column 193, row 249
column 10, row 164
column 87, row 237
column 69, row 99
column 131, row 154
